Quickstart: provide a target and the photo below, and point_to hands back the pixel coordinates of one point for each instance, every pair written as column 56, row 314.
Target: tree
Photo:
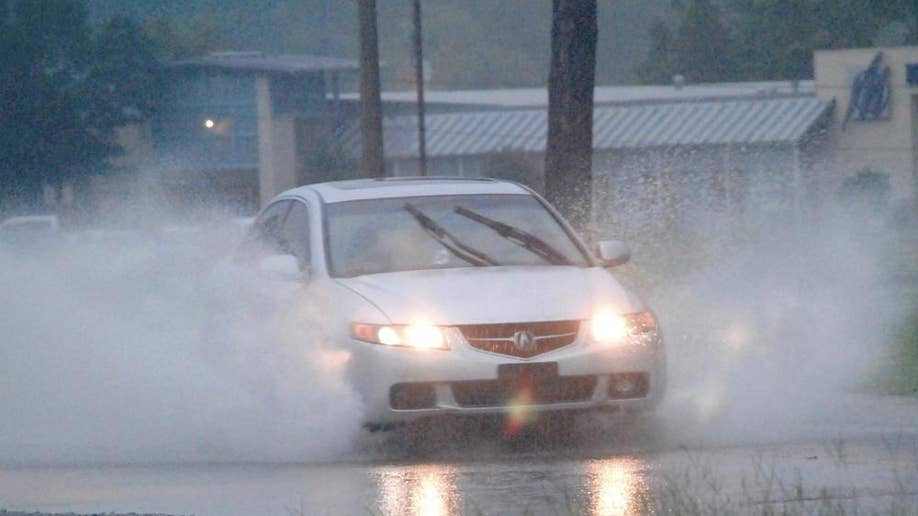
column 173, row 39
column 660, row 65
column 569, row 148
column 122, row 81
column 701, row 50
column 62, row 93
column 46, row 131
column 775, row 39
column 372, row 164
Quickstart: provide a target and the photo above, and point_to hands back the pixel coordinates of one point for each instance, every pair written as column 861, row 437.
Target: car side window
column 295, row 233
column 265, row 236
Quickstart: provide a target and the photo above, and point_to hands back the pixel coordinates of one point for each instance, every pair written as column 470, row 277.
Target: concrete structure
column 885, row 143
column 236, row 126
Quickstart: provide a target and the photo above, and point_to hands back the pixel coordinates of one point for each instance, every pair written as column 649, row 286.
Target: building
column 236, row 127
column 239, row 127
column 446, row 101
column 879, row 130
column 663, row 155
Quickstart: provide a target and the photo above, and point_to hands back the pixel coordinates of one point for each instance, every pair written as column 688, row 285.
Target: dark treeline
column 746, row 40
column 468, row 43
column 65, row 85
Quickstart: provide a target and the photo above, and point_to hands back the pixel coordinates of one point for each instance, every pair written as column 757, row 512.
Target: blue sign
column 870, row 93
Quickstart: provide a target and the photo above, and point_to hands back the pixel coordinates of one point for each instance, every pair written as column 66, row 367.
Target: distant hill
column 469, row 44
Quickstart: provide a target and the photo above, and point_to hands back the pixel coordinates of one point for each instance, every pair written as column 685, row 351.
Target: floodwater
column 862, row 458
column 109, row 356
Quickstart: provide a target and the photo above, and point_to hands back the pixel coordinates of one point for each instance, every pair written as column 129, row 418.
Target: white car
column 462, row 296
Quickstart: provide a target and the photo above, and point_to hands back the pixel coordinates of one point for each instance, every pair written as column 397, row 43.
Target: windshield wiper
column 519, row 237
column 447, row 240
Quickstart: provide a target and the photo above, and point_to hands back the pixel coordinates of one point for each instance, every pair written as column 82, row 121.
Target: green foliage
column 771, row 39
column 468, row 44
column 703, row 46
column 122, row 74
column 902, row 375
column 867, row 188
column 45, row 45
column 172, row 39
column 63, row 90
column 776, row 38
column 701, row 49
column 661, row 63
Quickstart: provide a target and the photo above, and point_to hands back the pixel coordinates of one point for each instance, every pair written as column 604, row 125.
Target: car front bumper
column 401, row 384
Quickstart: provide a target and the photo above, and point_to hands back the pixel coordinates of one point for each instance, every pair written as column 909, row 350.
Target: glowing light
column 736, row 337
column 335, row 359
column 419, row 335
column 424, row 336
column 209, row 124
column 418, row 490
column 608, row 328
column 520, row 414
column 614, row 487
column 388, row 336
column 429, row 498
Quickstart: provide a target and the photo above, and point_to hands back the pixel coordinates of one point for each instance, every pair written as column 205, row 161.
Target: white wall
column 884, row 145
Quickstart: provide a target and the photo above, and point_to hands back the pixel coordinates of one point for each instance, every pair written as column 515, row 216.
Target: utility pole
column 371, row 163
column 419, row 80
column 569, row 148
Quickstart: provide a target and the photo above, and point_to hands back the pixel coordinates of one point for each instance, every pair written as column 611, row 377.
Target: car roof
column 393, row 187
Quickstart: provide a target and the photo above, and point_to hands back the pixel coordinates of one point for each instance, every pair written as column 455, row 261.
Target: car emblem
column 524, row 341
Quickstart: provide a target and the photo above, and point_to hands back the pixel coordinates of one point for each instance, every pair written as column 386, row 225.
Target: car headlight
column 611, row 328
column 420, row 336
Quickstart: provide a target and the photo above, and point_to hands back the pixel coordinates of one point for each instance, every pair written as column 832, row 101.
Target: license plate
column 538, row 372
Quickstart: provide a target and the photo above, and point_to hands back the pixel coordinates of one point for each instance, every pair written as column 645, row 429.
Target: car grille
column 498, row 393
column 498, row 338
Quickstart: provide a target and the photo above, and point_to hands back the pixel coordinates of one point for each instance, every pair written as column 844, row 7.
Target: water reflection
column 428, row 490
column 616, row 487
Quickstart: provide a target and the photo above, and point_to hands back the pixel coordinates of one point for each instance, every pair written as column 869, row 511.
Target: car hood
column 493, row 294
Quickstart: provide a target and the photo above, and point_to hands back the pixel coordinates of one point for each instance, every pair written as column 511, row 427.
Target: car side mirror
column 614, row 253
column 282, row 267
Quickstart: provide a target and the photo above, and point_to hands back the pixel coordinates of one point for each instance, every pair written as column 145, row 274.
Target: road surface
column 862, row 459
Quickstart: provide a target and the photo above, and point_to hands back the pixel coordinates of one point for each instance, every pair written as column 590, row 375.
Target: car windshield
column 417, row 233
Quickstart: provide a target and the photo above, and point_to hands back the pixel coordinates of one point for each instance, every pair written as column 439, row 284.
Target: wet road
column 862, row 458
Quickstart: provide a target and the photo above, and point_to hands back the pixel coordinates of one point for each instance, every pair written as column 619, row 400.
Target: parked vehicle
column 461, row 296
column 29, row 230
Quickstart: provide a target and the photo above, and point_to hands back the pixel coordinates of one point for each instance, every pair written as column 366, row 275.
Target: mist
column 774, row 321
column 134, row 350
column 133, row 347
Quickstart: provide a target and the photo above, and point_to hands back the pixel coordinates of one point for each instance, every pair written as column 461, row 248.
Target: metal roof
column 258, row 62
column 754, row 121
column 511, row 98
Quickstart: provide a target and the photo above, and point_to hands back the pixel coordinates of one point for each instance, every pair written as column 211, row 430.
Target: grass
column 902, row 375
column 760, row 490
